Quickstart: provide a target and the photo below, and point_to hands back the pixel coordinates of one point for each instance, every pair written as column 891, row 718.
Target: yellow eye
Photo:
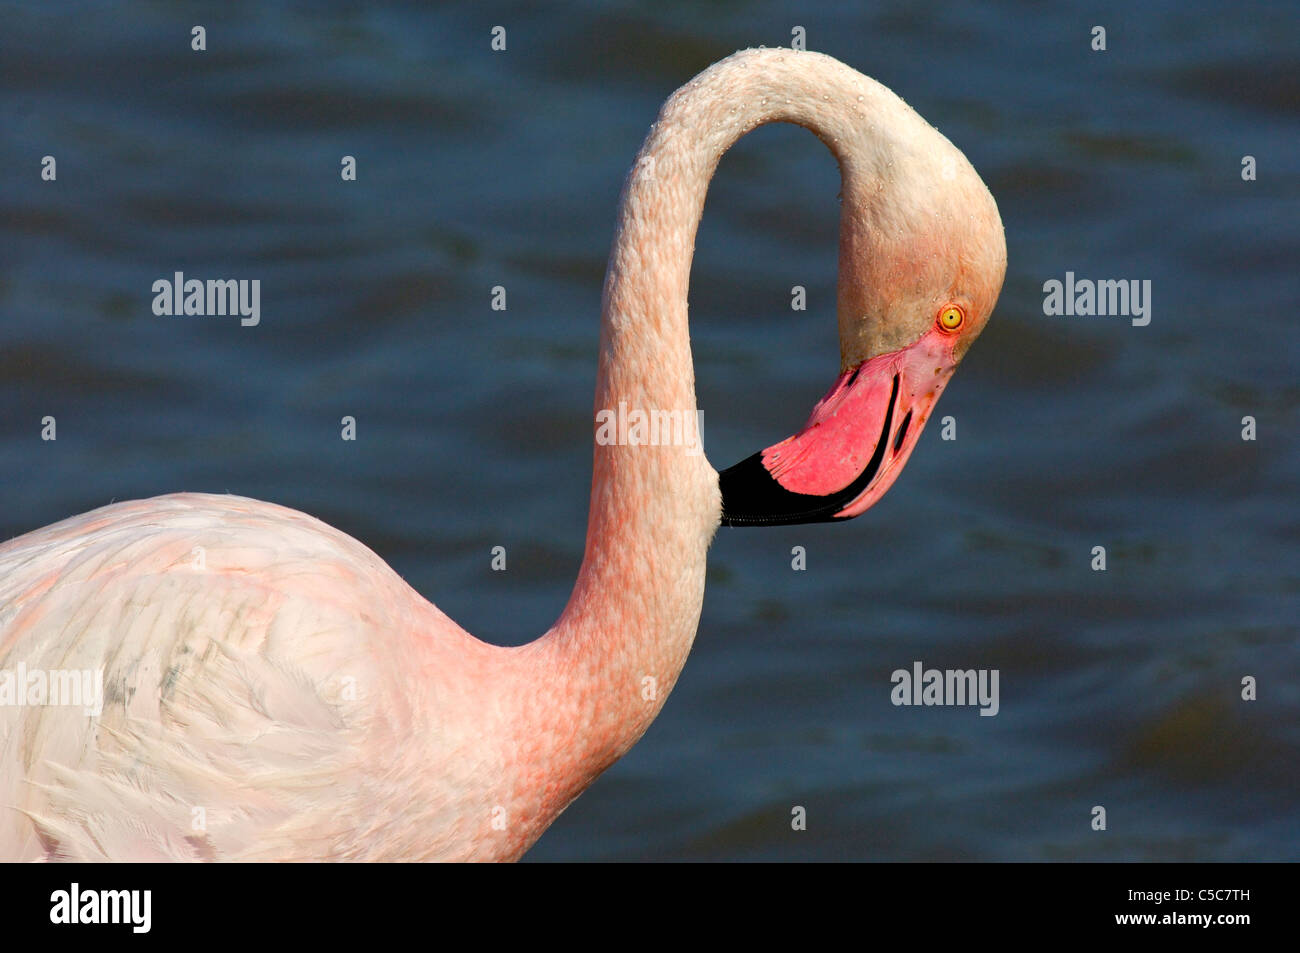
column 951, row 317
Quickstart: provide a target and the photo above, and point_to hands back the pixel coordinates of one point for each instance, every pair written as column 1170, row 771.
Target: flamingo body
column 256, row 663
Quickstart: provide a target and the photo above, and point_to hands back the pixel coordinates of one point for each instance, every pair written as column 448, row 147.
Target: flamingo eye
column 951, row 318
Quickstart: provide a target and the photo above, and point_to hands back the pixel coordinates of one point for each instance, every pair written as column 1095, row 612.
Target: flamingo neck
column 589, row 688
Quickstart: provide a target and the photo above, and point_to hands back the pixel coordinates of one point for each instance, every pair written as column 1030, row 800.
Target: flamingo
column 272, row 690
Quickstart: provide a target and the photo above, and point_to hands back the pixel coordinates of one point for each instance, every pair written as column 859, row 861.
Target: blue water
column 1118, row 688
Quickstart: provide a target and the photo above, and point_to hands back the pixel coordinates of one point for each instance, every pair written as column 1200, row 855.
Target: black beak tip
column 751, row 496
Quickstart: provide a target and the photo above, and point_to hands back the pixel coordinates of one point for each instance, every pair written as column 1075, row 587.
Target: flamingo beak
column 853, row 447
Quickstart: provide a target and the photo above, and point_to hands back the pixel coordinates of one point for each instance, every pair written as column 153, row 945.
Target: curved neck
column 592, row 685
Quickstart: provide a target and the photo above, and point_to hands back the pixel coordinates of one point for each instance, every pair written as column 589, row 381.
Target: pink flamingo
column 273, row 690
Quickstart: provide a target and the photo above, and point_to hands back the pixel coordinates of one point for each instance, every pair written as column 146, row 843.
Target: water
column 475, row 169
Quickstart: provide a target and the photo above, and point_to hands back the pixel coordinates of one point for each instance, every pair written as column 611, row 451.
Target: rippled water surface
column 476, row 169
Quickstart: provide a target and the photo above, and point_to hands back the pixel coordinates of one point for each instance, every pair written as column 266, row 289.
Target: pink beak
column 853, row 447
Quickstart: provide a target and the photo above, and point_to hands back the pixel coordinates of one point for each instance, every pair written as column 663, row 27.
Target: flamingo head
column 918, row 282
